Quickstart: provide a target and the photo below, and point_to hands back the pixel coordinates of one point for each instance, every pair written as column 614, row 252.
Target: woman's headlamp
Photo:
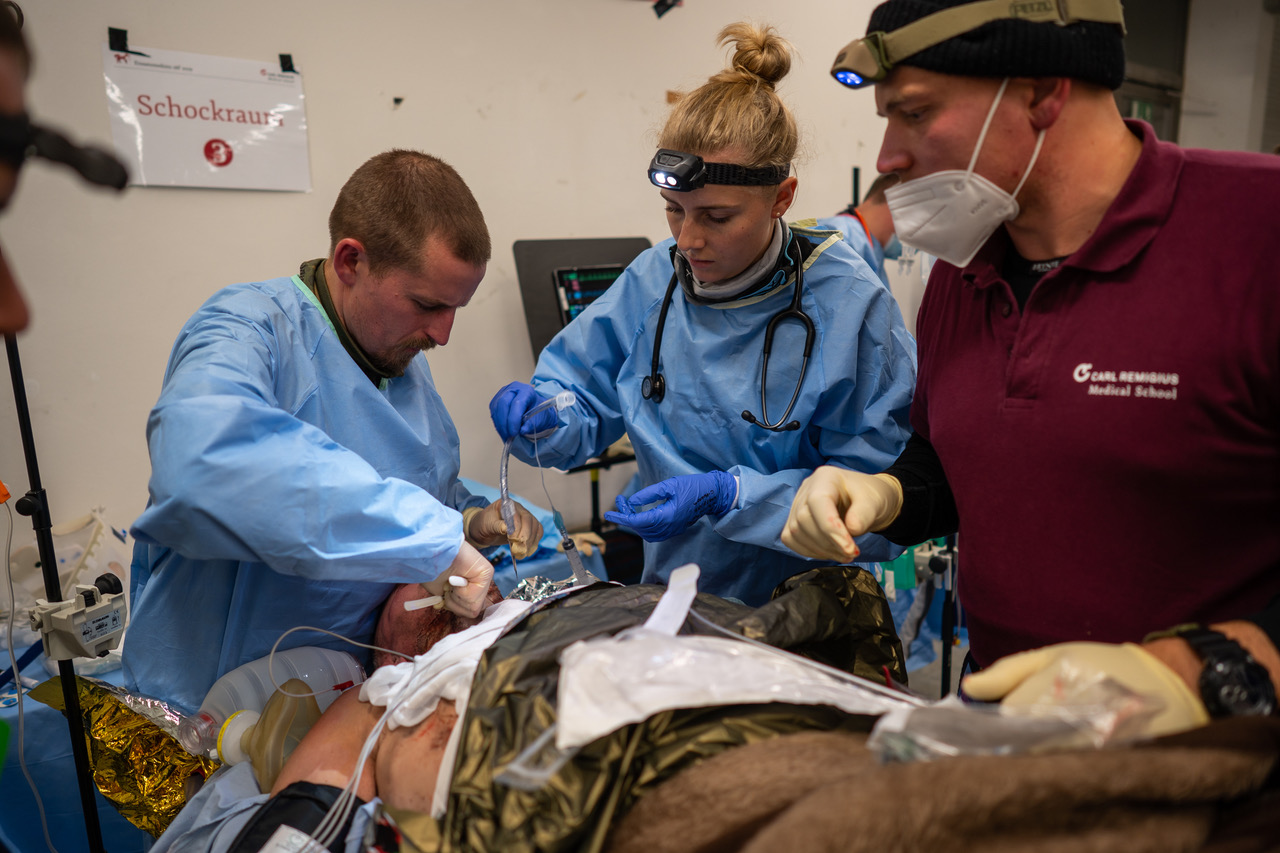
column 681, row 172
column 870, row 59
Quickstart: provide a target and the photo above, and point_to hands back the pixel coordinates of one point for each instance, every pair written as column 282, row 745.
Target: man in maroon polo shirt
column 1098, row 403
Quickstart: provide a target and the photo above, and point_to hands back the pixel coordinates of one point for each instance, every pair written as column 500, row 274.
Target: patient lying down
column 492, row 685
column 402, row 768
column 404, row 762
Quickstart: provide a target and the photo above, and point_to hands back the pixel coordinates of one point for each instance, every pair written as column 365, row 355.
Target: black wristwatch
column 1232, row 683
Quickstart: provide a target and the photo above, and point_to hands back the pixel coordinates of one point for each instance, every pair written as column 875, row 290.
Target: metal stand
column 948, row 611
column 604, row 462
column 35, row 505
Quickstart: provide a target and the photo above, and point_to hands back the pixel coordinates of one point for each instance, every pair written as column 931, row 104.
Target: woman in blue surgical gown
column 716, row 486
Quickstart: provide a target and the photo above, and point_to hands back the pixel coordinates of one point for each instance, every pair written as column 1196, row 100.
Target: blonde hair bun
column 759, row 53
column 739, row 108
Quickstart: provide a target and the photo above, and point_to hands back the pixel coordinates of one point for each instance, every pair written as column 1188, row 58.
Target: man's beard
column 394, row 363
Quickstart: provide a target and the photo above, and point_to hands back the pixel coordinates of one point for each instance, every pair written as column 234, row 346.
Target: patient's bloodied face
column 413, row 632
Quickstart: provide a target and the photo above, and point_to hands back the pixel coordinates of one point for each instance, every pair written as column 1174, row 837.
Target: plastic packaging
column 325, row 672
column 1090, row 715
column 266, row 740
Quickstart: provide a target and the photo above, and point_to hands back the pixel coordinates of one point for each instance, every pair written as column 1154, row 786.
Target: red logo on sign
column 217, row 152
column 122, row 57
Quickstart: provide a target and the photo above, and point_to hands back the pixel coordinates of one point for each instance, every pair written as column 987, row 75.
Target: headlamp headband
column 20, row 139
column 869, row 59
column 15, row 138
column 681, row 172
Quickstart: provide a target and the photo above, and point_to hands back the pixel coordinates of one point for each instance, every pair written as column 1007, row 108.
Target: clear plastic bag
column 1090, row 713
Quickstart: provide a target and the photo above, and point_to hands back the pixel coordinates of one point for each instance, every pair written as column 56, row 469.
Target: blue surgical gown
column 853, row 404
column 868, row 248
column 286, row 489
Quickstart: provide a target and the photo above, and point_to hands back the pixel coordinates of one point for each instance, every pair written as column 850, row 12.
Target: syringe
column 580, row 573
column 506, row 506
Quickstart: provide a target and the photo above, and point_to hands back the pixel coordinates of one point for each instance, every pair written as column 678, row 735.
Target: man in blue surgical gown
column 303, row 463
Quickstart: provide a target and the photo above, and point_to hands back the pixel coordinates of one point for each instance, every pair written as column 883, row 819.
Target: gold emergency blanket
column 138, row 766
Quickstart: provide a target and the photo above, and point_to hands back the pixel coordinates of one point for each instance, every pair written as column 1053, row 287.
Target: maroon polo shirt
column 1114, row 448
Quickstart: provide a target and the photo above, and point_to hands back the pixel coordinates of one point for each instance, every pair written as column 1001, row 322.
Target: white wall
column 1224, row 93
column 546, row 107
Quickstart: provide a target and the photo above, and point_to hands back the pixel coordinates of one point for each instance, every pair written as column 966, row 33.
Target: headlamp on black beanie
column 1080, row 39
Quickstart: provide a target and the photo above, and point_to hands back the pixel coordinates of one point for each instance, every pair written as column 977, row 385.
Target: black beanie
column 1086, row 50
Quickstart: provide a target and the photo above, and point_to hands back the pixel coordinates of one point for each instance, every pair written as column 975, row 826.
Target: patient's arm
column 327, row 754
column 402, row 767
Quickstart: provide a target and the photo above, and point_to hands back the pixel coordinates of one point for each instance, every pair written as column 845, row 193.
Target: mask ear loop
column 1034, row 155
column 982, row 136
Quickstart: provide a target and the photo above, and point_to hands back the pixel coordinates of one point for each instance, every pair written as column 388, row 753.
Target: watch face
column 1237, row 688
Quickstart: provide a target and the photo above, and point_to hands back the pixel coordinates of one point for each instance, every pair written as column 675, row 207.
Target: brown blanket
column 1215, row 788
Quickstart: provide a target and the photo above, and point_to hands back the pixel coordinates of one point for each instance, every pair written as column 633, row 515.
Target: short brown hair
column 397, row 200
column 875, row 194
column 738, row 108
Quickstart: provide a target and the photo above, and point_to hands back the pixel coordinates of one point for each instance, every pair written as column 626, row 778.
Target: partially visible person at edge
column 15, row 65
column 717, row 486
column 1099, row 367
column 303, row 463
column 868, row 227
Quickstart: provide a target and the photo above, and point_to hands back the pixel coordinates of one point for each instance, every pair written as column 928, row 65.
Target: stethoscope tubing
column 653, row 387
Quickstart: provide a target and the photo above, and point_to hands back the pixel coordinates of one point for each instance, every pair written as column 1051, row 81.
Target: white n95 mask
column 951, row 214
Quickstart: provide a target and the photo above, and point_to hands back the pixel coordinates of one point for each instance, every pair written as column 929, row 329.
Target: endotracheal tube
column 561, row 401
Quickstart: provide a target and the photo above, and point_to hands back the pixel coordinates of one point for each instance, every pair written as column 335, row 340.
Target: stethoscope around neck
column 654, row 386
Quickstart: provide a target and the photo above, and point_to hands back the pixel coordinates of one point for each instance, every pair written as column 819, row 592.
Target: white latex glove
column 467, row 600
column 585, row 542
column 1048, row 675
column 833, row 505
column 485, row 528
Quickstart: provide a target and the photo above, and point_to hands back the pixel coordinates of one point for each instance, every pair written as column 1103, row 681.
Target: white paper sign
column 190, row 120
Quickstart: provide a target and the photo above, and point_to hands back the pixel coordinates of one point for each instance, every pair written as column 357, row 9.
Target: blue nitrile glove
column 687, row 499
column 508, row 406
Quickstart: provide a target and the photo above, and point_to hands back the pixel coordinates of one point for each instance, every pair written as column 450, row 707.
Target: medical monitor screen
column 578, row 287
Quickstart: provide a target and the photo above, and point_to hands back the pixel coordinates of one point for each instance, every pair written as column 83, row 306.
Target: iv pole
column 35, row 504
column 100, row 167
